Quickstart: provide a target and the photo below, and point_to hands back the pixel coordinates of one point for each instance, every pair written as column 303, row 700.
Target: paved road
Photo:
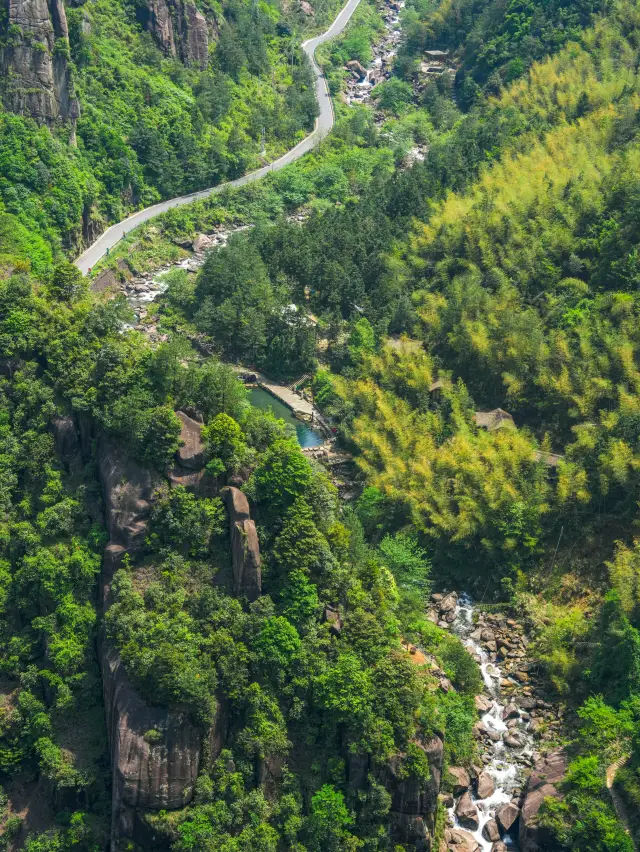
column 324, row 123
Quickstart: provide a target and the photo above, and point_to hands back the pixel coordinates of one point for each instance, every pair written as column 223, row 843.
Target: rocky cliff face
column 180, row 29
column 547, row 774
column 413, row 803
column 245, row 548
column 155, row 752
column 34, row 63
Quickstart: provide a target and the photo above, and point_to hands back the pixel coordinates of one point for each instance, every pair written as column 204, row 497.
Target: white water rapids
column 504, row 763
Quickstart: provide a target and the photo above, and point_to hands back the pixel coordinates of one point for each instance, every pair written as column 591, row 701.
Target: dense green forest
column 500, row 272
column 510, row 256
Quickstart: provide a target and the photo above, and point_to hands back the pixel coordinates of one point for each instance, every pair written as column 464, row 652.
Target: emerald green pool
column 307, row 435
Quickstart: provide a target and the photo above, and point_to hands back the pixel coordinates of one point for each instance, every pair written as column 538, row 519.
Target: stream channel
column 490, row 808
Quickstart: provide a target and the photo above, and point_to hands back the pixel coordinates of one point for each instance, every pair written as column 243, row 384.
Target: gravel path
column 324, row 123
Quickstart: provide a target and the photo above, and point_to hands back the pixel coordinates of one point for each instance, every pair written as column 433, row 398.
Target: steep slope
column 143, row 102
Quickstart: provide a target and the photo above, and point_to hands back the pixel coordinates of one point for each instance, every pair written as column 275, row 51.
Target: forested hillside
column 209, row 640
column 155, row 101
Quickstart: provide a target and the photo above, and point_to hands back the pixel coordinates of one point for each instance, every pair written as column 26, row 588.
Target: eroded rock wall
column 414, row 803
column 245, row 547
column 155, row 751
column 180, row 29
column 34, row 64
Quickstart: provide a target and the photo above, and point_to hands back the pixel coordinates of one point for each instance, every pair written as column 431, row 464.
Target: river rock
column 461, row 779
column 510, row 712
column 354, row 66
column 512, row 740
column 499, row 847
column 547, row 774
column 467, row 812
column 506, row 817
column 485, row 786
column 201, row 242
column 449, row 602
column 462, row 841
column 483, row 705
column 490, row 831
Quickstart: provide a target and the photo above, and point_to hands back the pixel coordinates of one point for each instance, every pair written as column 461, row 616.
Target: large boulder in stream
column 461, row 779
column 506, row 817
column 458, row 840
column 467, row 812
column 490, row 831
column 485, row 786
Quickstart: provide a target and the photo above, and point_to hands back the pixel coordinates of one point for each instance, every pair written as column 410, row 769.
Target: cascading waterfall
column 504, row 763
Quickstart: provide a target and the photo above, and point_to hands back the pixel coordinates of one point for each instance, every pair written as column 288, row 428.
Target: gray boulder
column 485, row 786
column 467, row 812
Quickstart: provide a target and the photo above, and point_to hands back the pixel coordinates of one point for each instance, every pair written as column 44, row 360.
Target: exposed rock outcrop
column 66, row 437
column 34, row 63
column 192, row 450
column 180, row 29
column 155, row 752
column 245, row 548
column 129, row 493
column 543, row 781
column 189, row 469
column 413, row 804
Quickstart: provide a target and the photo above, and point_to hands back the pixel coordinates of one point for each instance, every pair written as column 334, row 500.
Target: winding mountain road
column 324, row 123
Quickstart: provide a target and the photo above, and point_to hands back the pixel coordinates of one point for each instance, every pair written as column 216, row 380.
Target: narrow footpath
column 324, row 123
column 618, row 804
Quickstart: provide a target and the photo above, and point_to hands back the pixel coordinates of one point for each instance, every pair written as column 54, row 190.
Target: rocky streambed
column 361, row 80
column 493, row 806
column 142, row 290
